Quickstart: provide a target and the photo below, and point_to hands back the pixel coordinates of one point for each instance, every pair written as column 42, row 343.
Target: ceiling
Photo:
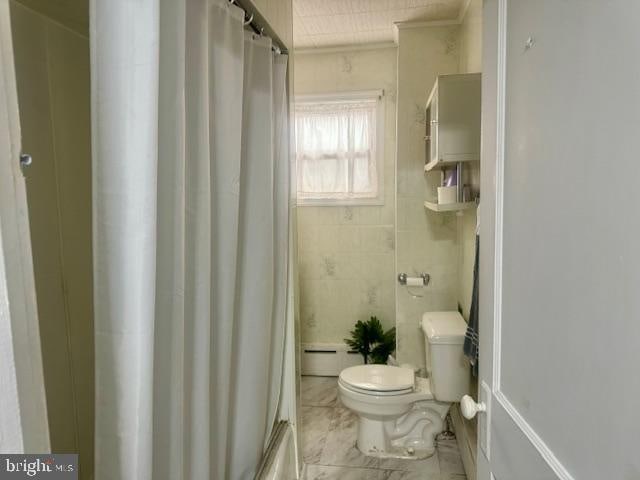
column 329, row 23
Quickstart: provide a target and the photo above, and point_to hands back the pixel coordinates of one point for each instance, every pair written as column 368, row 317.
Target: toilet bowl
column 399, row 414
column 400, row 422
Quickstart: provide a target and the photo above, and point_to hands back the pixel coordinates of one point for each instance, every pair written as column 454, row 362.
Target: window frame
column 341, row 97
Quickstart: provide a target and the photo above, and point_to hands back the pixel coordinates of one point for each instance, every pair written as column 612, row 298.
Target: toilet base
column 403, row 453
column 410, row 436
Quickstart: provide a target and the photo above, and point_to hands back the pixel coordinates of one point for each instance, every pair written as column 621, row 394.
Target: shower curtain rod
column 260, row 26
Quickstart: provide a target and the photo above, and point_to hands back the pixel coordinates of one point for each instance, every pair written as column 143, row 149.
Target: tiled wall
column 52, row 70
column 426, row 241
column 347, row 254
column 471, row 39
column 470, row 62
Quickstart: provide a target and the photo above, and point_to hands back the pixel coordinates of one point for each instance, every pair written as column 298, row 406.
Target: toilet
column 400, row 414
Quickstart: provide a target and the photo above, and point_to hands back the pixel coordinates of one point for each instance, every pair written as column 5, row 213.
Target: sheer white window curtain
column 337, row 149
column 191, row 222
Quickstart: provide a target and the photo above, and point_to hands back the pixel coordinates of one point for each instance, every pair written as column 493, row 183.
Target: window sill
column 328, row 202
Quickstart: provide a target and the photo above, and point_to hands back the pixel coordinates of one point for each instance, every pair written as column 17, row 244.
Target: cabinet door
column 433, row 127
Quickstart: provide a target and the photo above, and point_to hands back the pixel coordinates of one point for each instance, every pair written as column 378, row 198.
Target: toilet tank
column 447, row 366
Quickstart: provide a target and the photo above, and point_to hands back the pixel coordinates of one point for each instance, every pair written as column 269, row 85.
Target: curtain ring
column 232, row 2
column 248, row 22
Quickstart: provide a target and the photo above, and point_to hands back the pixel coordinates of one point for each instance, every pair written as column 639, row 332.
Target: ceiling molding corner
column 464, row 8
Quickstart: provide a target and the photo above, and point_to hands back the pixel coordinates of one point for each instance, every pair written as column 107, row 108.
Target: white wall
column 346, row 254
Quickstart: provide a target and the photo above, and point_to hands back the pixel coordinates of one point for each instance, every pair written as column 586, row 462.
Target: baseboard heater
column 327, row 359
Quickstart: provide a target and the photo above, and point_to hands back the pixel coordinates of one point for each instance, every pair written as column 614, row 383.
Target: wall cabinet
column 453, row 121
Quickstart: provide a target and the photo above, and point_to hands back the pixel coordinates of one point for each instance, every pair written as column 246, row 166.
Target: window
column 339, row 149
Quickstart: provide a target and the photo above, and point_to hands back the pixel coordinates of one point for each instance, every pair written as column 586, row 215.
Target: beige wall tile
column 348, row 251
column 471, row 39
column 470, row 61
column 426, row 241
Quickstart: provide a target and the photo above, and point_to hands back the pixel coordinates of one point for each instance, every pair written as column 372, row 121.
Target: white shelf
column 431, row 165
column 443, row 163
column 449, row 207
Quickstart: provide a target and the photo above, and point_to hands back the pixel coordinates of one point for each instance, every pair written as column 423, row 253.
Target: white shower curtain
column 191, row 221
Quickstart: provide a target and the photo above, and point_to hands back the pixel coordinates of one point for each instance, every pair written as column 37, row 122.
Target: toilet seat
column 376, row 380
column 364, row 391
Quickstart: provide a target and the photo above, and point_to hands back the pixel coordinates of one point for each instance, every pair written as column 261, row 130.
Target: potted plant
column 371, row 341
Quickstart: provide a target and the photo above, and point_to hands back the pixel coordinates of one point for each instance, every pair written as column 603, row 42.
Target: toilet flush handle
column 469, row 407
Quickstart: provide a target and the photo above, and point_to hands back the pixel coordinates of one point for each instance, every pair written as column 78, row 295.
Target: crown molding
column 344, row 48
column 425, row 24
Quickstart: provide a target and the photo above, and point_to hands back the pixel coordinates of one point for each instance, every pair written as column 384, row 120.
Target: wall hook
column 529, row 43
column 25, row 160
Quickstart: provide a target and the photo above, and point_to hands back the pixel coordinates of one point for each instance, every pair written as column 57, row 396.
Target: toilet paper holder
column 402, row 278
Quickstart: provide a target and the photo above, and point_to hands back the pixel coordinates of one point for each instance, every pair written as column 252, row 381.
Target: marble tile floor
column 329, row 449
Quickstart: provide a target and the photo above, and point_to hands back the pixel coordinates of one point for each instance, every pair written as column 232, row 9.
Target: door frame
column 24, row 424
column 494, row 57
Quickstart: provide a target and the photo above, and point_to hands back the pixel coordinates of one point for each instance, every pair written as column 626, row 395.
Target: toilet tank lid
column 446, row 328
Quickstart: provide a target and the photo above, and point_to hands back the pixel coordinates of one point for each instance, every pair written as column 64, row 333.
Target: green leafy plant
column 371, row 341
